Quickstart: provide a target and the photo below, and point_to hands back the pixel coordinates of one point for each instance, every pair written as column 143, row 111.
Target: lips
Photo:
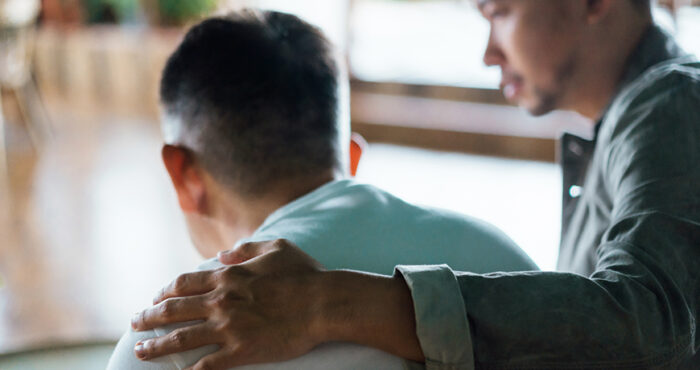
column 512, row 85
column 512, row 90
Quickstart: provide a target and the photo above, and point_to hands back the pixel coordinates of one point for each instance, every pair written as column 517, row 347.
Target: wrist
column 367, row 309
column 331, row 305
column 319, row 301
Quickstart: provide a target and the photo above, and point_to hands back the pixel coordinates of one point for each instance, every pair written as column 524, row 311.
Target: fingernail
column 139, row 350
column 143, row 348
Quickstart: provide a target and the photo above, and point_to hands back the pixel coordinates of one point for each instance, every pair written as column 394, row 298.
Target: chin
column 540, row 107
column 538, row 111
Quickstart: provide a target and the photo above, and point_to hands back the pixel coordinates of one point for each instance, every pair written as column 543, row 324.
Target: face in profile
column 534, row 44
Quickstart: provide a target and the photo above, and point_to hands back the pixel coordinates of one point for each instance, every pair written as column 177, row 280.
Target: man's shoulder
column 651, row 130
column 353, row 199
column 663, row 101
column 653, row 88
column 382, row 215
column 387, row 208
column 372, row 230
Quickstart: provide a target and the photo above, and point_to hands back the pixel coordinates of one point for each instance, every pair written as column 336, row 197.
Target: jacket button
column 575, row 191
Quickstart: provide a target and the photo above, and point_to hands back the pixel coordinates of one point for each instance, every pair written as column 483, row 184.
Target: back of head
column 254, row 95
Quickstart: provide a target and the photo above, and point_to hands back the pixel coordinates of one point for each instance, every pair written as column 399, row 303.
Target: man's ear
column 184, row 174
column 596, row 10
column 357, row 147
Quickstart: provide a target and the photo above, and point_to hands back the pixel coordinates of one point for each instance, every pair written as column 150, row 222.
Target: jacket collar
column 655, row 46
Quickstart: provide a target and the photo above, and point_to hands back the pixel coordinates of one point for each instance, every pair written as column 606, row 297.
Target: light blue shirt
column 347, row 225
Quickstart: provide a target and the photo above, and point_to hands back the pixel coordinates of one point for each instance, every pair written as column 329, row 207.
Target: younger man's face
column 534, row 44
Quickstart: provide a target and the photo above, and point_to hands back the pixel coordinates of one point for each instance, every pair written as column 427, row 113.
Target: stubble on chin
column 549, row 99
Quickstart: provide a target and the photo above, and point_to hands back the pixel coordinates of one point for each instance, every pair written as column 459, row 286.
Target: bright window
column 437, row 42
column 688, row 28
column 430, row 42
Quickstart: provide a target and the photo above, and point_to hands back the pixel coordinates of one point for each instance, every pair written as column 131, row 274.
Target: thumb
column 247, row 251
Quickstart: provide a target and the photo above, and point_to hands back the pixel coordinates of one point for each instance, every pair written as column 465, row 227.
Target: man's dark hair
column 642, row 5
column 259, row 90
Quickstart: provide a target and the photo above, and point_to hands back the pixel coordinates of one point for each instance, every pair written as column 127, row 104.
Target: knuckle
column 226, row 327
column 223, row 300
column 226, row 273
column 217, row 302
column 245, row 250
column 178, row 338
column 161, row 293
column 245, row 247
column 231, row 274
column 180, row 283
column 139, row 320
column 145, row 318
column 280, row 243
column 167, row 308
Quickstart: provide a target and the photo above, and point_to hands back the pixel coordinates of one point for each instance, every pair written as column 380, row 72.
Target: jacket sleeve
column 639, row 308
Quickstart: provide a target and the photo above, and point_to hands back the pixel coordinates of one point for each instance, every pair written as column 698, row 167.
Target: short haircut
column 256, row 92
column 642, row 5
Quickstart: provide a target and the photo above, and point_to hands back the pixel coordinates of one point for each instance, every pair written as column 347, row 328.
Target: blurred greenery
column 180, row 11
column 110, row 11
column 169, row 12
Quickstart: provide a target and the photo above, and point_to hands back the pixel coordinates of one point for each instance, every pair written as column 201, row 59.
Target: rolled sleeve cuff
column 441, row 318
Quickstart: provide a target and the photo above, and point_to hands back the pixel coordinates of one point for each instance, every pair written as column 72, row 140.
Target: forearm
column 368, row 309
column 623, row 315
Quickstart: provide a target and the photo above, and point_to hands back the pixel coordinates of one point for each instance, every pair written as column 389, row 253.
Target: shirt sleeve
column 637, row 310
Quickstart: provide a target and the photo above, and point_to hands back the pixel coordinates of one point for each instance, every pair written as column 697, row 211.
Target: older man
column 256, row 140
column 628, row 293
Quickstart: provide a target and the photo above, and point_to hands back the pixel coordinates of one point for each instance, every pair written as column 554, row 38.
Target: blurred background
column 89, row 227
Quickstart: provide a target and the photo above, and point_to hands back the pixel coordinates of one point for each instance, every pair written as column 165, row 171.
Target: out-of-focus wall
column 102, row 69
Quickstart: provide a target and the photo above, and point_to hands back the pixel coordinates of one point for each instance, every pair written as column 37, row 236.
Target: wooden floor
column 89, row 233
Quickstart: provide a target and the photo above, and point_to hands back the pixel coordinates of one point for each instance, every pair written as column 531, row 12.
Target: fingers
column 170, row 311
column 189, row 284
column 178, row 340
column 220, row 360
column 248, row 251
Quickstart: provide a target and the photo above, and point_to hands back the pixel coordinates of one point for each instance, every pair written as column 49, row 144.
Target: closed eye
column 494, row 10
column 498, row 13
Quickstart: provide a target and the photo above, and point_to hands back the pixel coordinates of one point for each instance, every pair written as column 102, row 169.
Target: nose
column 493, row 55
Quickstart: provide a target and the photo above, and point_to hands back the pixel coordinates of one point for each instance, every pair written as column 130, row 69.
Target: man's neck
column 240, row 216
column 602, row 70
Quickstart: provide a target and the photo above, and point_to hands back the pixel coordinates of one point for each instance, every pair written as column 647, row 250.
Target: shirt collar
column 321, row 192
